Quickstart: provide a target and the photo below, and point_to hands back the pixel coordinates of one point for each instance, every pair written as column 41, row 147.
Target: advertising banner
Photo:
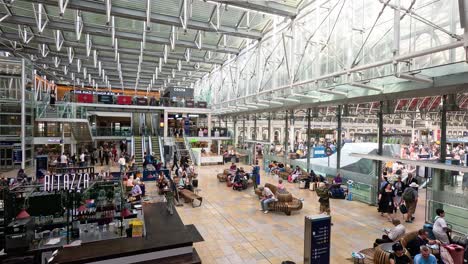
column 124, row 100
column 85, row 98
column 318, row 152
column 106, row 99
column 142, row 101
column 179, row 92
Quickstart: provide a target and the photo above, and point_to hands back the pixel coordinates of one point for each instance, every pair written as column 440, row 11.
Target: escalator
column 182, row 151
column 136, row 124
column 155, row 148
column 138, row 150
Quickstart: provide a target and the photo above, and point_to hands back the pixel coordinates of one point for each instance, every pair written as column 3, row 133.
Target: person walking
column 386, row 203
column 175, row 162
column 410, row 197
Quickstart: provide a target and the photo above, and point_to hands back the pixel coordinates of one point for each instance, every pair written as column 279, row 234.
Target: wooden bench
column 189, row 197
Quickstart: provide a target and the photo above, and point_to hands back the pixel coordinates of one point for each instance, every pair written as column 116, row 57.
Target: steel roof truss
column 78, row 24
column 62, row 6
column 25, row 33
column 41, row 17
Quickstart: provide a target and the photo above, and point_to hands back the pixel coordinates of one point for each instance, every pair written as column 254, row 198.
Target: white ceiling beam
column 305, row 96
column 332, row 92
column 108, row 11
column 148, row 15
column 78, row 24
column 62, row 7
column 367, row 86
column 40, row 14
column 416, row 78
column 287, row 99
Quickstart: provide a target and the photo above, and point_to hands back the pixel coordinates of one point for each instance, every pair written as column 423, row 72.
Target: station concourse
column 212, row 131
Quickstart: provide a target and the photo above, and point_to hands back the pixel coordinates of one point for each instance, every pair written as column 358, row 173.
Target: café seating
column 286, row 201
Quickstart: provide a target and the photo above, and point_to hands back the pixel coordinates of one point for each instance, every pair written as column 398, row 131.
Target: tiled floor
column 235, row 231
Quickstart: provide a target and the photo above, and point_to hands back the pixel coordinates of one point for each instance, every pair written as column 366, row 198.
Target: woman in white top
column 440, row 227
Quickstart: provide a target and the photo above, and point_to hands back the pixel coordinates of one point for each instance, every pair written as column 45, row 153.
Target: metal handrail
column 189, row 148
column 161, row 152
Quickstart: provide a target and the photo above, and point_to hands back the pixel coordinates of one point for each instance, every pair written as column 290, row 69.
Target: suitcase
column 457, row 252
column 302, row 184
column 312, row 186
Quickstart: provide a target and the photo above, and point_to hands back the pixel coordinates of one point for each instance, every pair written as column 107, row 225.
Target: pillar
column 235, row 131
column 309, row 150
column 286, row 135
column 379, row 148
column 269, row 128
column 292, row 135
column 23, row 114
column 338, row 138
column 255, row 127
column 209, row 125
column 243, row 130
column 166, row 117
column 437, row 180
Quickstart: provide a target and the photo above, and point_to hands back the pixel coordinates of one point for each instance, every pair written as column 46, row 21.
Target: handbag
column 403, row 209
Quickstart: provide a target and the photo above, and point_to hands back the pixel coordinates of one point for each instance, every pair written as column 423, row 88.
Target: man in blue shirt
column 425, row 257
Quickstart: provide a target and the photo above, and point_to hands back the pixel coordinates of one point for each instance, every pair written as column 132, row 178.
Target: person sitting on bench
column 393, row 234
column 136, row 190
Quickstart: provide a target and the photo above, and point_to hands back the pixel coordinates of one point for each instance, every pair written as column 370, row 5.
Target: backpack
column 408, row 194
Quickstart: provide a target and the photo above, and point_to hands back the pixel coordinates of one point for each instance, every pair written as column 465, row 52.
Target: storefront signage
column 201, row 104
column 55, row 140
column 317, row 240
column 95, row 92
column 180, row 92
column 106, row 98
column 58, row 182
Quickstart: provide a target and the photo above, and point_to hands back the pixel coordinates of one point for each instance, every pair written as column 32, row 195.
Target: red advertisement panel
column 124, row 100
column 85, row 98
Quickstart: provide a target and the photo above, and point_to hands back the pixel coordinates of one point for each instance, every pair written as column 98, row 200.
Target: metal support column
column 166, row 117
column 23, row 114
column 286, row 136
column 235, row 131
column 255, row 127
column 437, row 180
column 338, row 137
column 309, row 150
column 243, row 131
column 269, row 127
column 209, row 125
column 379, row 144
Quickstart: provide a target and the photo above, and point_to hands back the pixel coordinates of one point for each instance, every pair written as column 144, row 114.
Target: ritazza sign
column 180, row 92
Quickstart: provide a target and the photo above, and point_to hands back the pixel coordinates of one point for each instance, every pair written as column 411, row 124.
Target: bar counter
column 167, row 240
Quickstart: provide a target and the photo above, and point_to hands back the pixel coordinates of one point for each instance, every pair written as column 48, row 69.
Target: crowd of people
column 428, row 247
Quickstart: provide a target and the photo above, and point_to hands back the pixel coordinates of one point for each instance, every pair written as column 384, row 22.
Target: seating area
column 285, row 203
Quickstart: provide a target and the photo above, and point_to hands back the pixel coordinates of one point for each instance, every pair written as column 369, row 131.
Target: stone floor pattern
column 235, row 231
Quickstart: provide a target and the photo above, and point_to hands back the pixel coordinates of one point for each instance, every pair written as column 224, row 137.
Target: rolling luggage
column 337, row 193
column 457, row 253
column 302, row 184
column 312, row 186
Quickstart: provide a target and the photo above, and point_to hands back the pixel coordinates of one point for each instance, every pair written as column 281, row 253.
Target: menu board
column 317, row 239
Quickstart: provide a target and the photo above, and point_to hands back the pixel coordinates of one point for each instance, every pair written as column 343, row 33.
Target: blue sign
column 17, row 156
column 318, row 152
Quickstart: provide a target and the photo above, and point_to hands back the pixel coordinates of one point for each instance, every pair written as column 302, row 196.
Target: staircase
column 155, row 148
column 138, row 150
column 182, row 151
column 81, row 131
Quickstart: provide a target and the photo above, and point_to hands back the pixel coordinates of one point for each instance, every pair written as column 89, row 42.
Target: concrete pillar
column 166, row 116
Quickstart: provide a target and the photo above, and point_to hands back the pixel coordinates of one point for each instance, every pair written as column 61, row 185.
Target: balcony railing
column 112, row 132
